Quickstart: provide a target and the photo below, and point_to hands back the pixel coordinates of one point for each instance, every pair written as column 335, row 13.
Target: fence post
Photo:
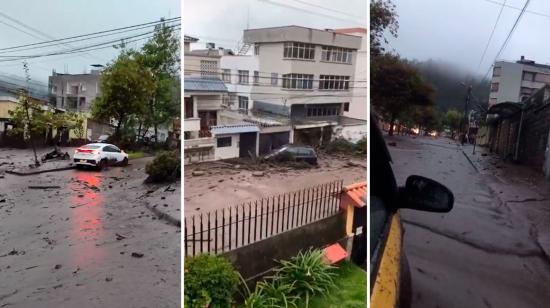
column 230, row 223
column 209, row 233
column 237, row 227
column 185, row 234
column 249, row 219
column 223, row 230
column 244, row 216
column 202, row 238
column 194, row 235
column 216, row 232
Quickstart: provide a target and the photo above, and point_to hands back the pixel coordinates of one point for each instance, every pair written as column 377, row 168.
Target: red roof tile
column 356, row 194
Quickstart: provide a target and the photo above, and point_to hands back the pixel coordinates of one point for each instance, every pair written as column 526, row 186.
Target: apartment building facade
column 516, row 81
column 297, row 84
column 74, row 92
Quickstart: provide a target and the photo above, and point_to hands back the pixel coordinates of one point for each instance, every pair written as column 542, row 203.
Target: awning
column 234, row 129
column 203, row 85
column 505, row 110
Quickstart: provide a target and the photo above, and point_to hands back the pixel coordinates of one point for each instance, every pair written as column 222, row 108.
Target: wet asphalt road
column 485, row 253
column 90, row 243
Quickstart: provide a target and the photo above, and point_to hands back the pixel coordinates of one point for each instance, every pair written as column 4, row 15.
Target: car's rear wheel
column 125, row 161
column 102, row 164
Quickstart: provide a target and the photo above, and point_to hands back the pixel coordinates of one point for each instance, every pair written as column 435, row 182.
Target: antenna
column 248, row 15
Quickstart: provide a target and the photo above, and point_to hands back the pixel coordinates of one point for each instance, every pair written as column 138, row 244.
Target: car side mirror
column 425, row 194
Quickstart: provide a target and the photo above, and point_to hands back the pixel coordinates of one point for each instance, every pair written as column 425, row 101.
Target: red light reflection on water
column 87, row 214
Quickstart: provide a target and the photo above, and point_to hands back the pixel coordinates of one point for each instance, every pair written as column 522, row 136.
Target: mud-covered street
column 492, row 249
column 224, row 184
column 84, row 238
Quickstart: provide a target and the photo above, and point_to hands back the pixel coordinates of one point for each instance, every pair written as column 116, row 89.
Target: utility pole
column 465, row 126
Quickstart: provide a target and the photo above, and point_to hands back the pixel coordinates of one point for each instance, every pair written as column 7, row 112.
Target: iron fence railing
column 230, row 228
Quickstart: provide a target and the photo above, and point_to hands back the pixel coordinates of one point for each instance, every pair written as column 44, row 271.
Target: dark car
column 291, row 152
column 389, row 267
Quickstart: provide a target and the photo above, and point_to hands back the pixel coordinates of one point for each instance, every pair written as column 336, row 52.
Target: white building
column 516, row 81
column 297, row 85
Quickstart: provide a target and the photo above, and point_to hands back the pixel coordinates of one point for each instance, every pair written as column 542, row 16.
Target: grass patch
column 136, row 154
column 350, row 290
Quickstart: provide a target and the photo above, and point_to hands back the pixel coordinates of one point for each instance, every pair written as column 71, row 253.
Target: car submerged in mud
column 292, row 152
column 99, row 155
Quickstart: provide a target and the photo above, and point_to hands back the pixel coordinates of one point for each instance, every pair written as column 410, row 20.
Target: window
column 223, row 142
column 529, row 76
column 526, row 91
column 243, row 104
column 346, row 106
column 208, row 69
column 226, row 75
column 243, row 77
column 497, row 71
column 256, row 77
column 298, row 81
column 336, row 54
column 54, row 89
column 74, row 90
column 256, row 50
column 494, row 87
column 332, row 82
column 274, row 79
column 323, row 110
column 294, row 50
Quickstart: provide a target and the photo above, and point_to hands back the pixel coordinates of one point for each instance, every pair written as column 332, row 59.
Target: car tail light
column 81, row 150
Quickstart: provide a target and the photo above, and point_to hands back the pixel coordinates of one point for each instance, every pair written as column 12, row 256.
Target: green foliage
column 383, row 19
column 342, row 145
column 272, row 293
column 308, row 273
column 452, row 120
column 397, row 87
column 126, row 87
column 166, row 166
column 209, row 279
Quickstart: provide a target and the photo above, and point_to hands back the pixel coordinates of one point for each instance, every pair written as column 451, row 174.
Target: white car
column 99, row 155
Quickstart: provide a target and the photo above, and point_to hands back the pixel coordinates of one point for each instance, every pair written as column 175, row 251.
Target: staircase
column 245, row 47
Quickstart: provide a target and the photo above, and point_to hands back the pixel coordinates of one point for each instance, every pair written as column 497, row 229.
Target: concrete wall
column 257, row 258
column 228, row 152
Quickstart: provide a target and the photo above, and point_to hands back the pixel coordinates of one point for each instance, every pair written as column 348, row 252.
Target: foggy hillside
column 447, row 79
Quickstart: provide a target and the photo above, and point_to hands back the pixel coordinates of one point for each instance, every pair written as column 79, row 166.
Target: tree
column 161, row 56
column 452, row 120
column 397, row 87
column 383, row 18
column 126, row 88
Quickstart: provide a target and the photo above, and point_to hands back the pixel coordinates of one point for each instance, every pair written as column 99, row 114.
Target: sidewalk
column 521, row 188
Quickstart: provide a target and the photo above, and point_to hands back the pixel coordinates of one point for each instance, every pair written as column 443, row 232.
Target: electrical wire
column 491, row 36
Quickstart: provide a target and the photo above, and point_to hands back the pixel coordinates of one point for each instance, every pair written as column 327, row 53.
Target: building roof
column 190, row 39
column 301, row 34
column 193, row 84
column 351, row 30
column 234, row 129
column 355, row 194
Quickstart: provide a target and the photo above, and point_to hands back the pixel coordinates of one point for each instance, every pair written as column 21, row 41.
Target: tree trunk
column 156, row 133
column 392, row 122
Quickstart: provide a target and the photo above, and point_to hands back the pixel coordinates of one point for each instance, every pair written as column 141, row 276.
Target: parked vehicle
column 390, row 276
column 291, row 152
column 103, row 138
column 99, row 155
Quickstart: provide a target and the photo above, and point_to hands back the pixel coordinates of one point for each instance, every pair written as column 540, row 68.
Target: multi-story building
column 74, row 92
column 205, row 97
column 515, row 81
column 297, row 84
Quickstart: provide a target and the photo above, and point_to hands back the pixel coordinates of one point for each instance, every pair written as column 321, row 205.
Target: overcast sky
column 63, row 18
column 223, row 22
column 457, row 31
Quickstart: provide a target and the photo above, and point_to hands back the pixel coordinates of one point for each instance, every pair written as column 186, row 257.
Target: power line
column 491, row 36
column 33, row 29
column 70, row 40
column 85, row 48
column 518, row 8
column 90, row 34
column 509, row 36
column 310, row 12
column 328, row 9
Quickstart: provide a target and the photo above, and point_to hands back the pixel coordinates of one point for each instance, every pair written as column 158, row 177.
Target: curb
column 469, row 160
column 39, row 171
column 164, row 216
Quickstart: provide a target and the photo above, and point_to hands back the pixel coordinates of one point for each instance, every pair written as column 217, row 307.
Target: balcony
column 191, row 124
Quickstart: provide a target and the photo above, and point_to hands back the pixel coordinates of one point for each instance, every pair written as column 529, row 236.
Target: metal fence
column 229, row 228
